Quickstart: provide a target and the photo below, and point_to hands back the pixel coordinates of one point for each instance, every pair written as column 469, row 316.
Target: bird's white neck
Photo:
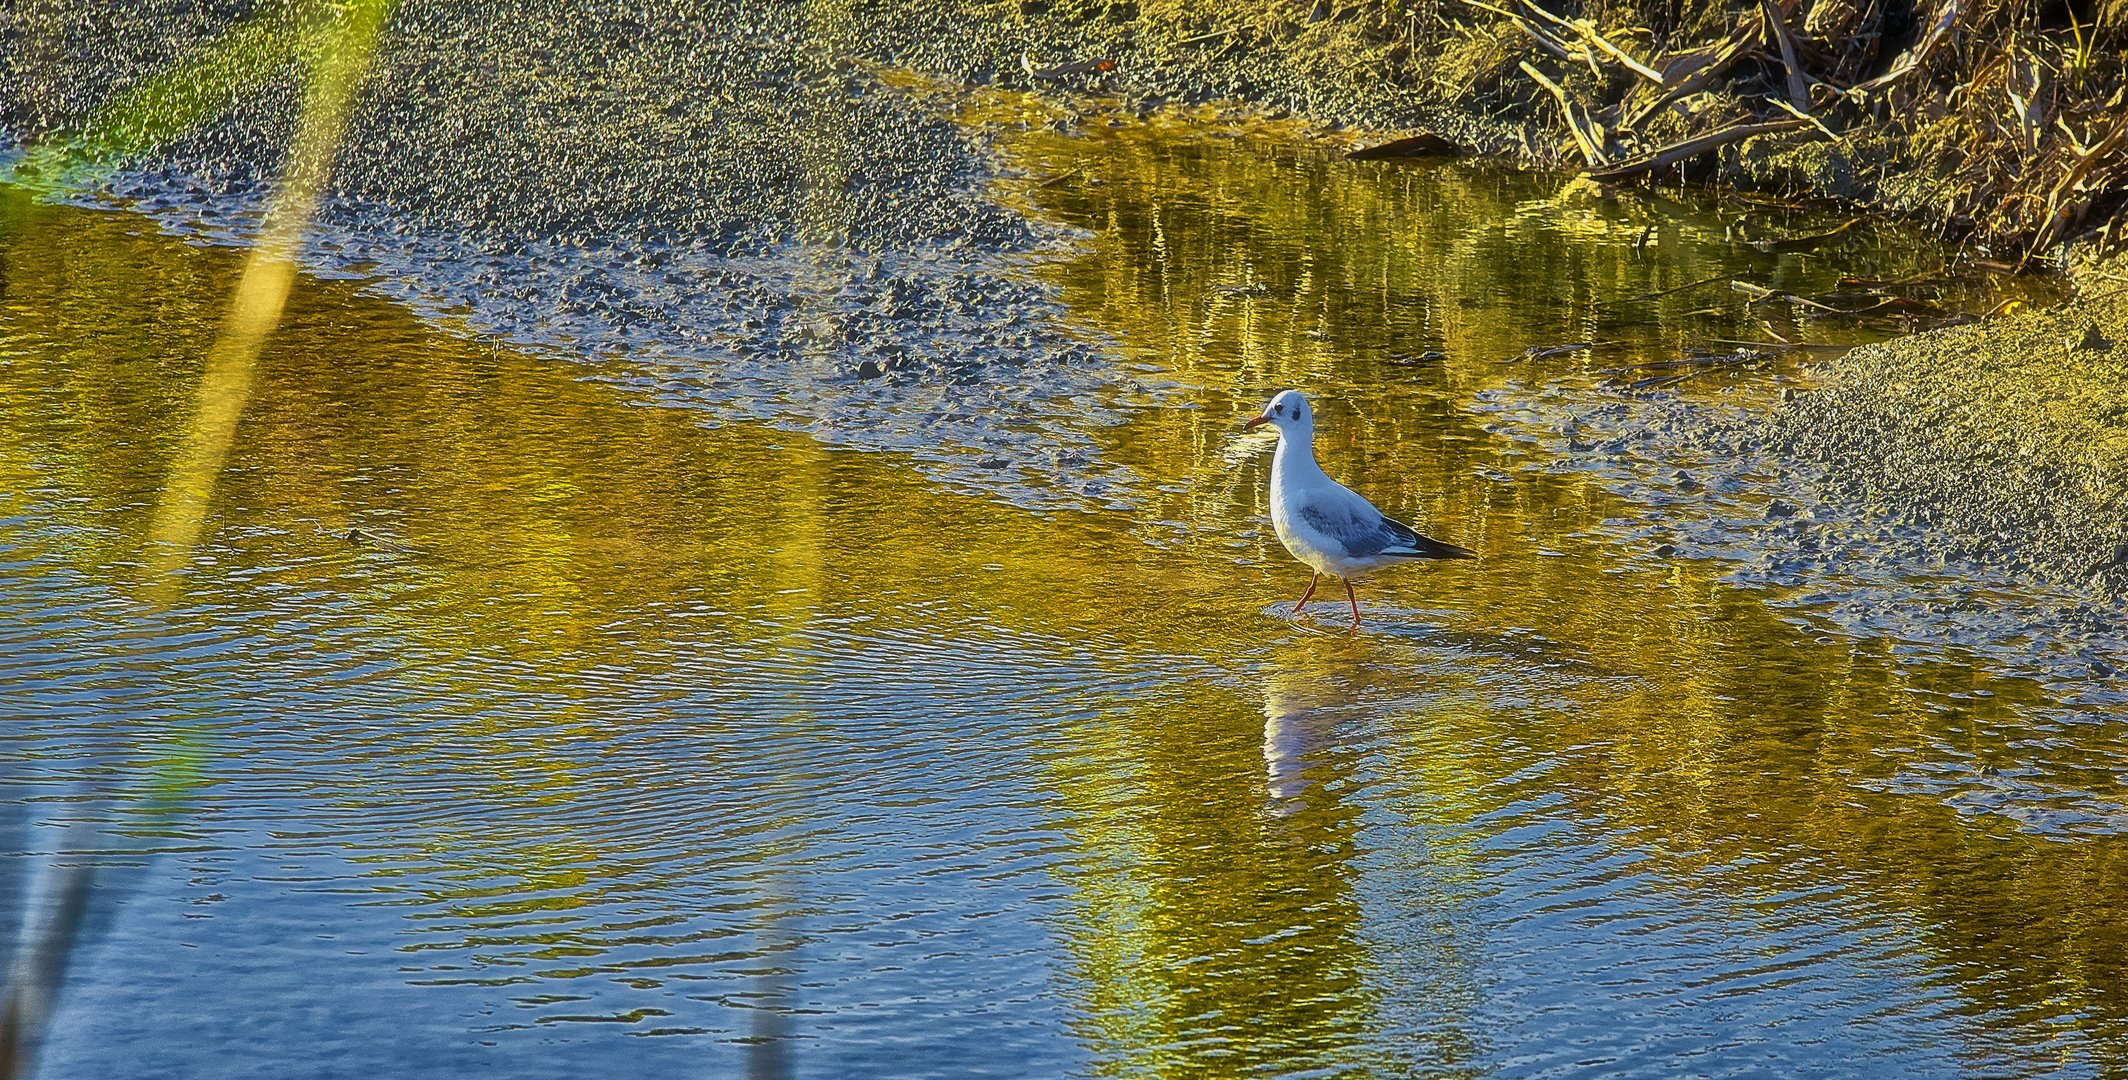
column 1294, row 462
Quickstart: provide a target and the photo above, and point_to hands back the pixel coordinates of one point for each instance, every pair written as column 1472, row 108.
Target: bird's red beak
column 1256, row 423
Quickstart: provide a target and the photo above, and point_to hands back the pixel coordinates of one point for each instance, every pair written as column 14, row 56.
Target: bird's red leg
column 1304, row 596
column 1355, row 605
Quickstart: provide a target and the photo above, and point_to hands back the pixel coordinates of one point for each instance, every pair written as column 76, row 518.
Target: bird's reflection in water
column 1309, row 691
column 1320, row 691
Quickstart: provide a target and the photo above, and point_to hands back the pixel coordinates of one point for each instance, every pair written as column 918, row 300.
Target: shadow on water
column 55, row 916
column 68, row 893
column 783, row 758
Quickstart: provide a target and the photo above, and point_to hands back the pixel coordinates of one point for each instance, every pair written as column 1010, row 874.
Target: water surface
column 548, row 724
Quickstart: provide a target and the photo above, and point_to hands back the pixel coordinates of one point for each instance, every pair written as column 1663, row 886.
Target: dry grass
column 1999, row 120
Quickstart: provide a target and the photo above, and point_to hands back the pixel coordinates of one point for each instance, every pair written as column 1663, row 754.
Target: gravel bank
column 2003, row 444
column 714, row 204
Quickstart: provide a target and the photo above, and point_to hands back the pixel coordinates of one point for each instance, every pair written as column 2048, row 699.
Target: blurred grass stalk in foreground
column 64, row 903
column 255, row 310
column 73, row 891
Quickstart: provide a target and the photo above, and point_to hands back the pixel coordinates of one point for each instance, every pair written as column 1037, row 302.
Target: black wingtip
column 1429, row 548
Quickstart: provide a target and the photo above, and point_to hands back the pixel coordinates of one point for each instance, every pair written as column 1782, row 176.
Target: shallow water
column 546, row 724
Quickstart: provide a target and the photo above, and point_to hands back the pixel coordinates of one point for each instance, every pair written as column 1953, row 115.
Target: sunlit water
column 547, row 727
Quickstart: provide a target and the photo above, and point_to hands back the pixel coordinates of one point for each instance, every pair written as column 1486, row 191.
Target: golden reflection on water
column 1730, row 739
column 1223, row 917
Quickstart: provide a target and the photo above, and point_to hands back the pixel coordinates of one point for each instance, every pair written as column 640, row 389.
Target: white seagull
column 1324, row 523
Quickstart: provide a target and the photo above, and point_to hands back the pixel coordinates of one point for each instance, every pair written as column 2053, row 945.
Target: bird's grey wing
column 1363, row 530
column 1355, row 528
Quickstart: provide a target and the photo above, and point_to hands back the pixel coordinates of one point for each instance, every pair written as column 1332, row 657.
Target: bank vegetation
column 2000, row 122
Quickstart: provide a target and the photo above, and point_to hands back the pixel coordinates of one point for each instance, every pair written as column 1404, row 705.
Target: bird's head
column 1288, row 412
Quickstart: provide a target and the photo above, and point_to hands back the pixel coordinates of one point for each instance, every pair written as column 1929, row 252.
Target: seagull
column 1324, row 523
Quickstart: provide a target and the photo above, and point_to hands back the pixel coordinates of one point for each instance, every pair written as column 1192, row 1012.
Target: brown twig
column 1543, row 352
column 1693, row 147
column 1577, row 120
column 1690, row 73
column 1589, row 34
column 1758, row 293
column 1798, row 85
column 2066, row 187
column 1916, row 56
column 1545, row 40
column 1801, row 115
column 1791, row 346
column 1679, row 288
column 1805, row 243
